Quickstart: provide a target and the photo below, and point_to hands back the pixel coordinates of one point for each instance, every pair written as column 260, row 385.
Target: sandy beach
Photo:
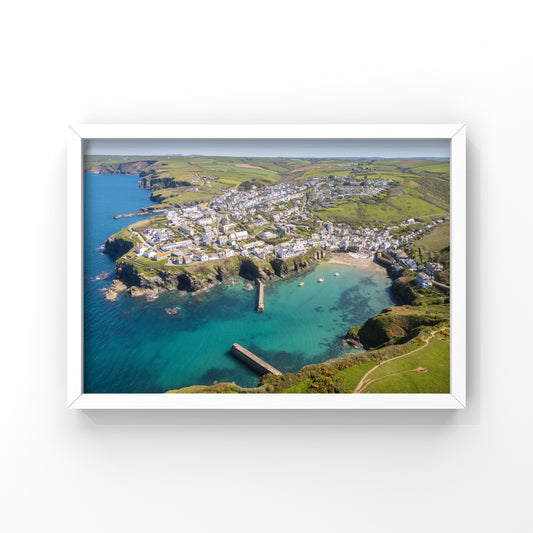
column 366, row 263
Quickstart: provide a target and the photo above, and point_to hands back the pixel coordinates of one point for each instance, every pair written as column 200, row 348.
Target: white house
column 423, row 280
column 239, row 235
column 227, row 227
column 433, row 268
column 141, row 250
column 186, row 230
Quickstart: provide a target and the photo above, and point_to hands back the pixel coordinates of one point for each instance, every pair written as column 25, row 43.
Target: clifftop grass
column 396, row 324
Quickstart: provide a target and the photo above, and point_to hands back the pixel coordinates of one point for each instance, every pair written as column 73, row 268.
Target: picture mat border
column 77, row 134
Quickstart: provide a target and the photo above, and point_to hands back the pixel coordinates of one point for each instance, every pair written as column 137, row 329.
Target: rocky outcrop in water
column 116, row 287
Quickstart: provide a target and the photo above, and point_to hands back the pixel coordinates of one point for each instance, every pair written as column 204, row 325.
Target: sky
column 367, row 148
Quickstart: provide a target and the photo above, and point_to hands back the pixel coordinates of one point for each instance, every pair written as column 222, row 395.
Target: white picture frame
column 77, row 399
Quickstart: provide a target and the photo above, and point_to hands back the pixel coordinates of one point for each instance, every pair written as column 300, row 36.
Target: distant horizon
column 271, row 156
column 272, row 148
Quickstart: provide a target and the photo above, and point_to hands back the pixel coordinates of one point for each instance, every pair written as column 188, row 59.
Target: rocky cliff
column 180, row 278
column 403, row 289
column 131, row 167
column 393, row 324
column 116, row 247
column 295, row 265
column 198, row 277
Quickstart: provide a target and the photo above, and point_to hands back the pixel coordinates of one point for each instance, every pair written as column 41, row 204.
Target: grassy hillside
column 432, row 245
column 425, row 371
column 421, row 187
column 435, row 247
column 397, row 324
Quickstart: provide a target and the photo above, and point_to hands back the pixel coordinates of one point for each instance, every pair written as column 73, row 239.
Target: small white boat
column 336, row 273
column 320, row 280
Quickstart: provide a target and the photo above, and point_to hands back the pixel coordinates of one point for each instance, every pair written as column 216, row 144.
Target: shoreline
column 364, row 263
column 337, row 258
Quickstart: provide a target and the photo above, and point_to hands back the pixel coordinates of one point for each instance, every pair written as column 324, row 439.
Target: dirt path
column 362, row 385
column 141, row 238
column 420, row 369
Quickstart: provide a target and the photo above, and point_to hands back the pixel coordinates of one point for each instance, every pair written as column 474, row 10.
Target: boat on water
column 336, row 273
column 320, row 280
column 301, row 284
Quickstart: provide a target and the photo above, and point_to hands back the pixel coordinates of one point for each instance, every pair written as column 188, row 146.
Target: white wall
column 102, row 61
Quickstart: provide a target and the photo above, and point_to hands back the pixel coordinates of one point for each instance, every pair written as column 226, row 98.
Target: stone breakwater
column 144, row 211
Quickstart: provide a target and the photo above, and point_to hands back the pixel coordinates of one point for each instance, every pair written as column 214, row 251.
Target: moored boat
column 320, row 280
column 301, row 284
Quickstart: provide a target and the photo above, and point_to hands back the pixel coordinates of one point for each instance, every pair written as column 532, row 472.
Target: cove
column 134, row 346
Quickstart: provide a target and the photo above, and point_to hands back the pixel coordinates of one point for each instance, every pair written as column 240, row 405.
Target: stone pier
column 251, row 360
column 260, row 297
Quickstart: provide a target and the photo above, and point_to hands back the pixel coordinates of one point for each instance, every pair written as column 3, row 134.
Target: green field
column 353, row 375
column 435, row 241
column 426, row 371
column 360, row 213
column 420, row 190
column 435, row 247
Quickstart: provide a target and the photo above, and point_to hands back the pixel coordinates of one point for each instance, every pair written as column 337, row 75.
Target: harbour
column 135, row 345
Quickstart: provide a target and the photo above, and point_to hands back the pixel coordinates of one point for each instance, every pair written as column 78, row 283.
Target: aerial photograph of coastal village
column 267, row 266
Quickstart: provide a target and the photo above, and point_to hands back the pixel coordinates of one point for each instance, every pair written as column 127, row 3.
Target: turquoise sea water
column 132, row 345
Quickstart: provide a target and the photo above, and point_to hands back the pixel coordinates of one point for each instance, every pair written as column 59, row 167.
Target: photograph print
column 276, row 266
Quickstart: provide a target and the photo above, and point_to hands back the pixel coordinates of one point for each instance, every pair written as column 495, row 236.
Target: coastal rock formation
column 295, row 265
column 156, row 184
column 135, row 292
column 397, row 324
column 195, row 279
column 133, row 167
column 110, row 295
column 117, row 247
column 141, row 282
column 403, row 290
column 118, row 286
column 253, row 271
column 151, row 209
column 200, row 277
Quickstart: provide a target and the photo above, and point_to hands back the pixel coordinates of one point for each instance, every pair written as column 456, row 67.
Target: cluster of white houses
column 398, row 261
column 344, row 187
column 216, row 231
